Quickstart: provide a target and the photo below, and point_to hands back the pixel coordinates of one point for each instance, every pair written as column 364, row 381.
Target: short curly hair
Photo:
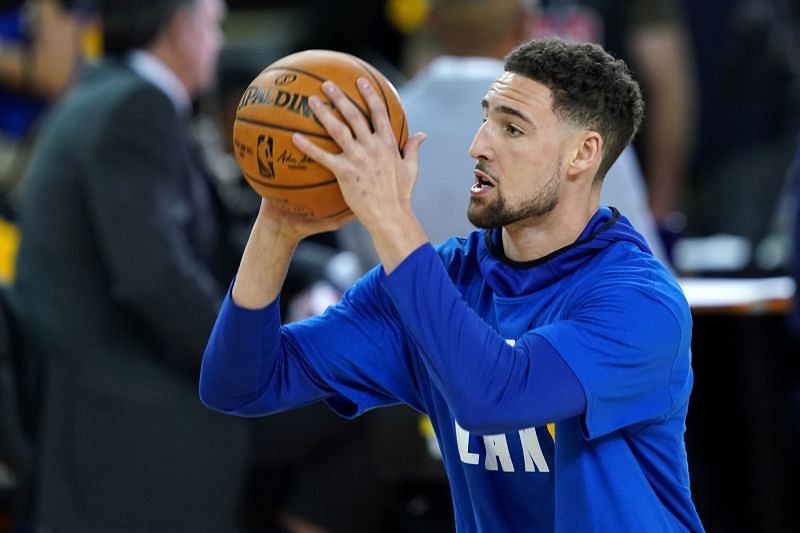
column 590, row 88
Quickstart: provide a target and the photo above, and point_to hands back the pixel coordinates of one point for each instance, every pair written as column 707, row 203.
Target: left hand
column 375, row 178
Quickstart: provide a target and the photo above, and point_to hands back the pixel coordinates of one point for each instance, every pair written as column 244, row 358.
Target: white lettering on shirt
column 531, row 451
column 462, row 437
column 498, row 456
column 497, row 452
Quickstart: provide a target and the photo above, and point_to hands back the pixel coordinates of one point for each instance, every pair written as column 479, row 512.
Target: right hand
column 294, row 228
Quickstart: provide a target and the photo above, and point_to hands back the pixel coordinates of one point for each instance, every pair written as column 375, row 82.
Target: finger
column 320, row 155
column 354, row 116
column 377, row 108
column 411, row 148
column 338, row 130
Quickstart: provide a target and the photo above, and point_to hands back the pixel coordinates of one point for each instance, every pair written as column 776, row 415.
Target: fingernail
column 328, row 87
column 363, row 83
column 314, row 102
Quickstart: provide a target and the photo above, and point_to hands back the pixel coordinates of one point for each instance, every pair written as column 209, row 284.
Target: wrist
column 395, row 238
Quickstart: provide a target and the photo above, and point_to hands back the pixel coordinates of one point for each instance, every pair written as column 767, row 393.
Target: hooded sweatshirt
column 558, row 388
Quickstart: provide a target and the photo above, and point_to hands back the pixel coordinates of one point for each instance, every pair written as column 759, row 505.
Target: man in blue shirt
column 550, row 349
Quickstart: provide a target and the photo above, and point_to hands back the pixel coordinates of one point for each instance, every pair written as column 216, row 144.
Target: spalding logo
column 294, row 102
column 286, row 79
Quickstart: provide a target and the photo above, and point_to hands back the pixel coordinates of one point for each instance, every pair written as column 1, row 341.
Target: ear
column 586, row 154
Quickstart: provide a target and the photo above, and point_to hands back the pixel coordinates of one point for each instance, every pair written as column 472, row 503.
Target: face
column 519, row 152
column 202, row 39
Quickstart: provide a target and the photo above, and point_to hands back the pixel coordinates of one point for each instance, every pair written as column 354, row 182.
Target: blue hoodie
column 496, row 353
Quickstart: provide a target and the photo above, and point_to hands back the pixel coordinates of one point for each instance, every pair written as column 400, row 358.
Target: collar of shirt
column 156, row 72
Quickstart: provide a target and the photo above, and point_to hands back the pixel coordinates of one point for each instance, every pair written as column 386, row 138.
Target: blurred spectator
column 651, row 37
column 42, row 45
column 118, row 282
column 747, row 53
column 40, row 50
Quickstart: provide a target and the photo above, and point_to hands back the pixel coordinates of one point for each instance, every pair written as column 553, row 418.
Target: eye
column 513, row 131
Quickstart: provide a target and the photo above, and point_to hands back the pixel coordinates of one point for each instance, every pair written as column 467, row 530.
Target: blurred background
column 714, row 186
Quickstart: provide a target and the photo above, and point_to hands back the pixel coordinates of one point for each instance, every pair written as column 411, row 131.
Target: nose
column 479, row 149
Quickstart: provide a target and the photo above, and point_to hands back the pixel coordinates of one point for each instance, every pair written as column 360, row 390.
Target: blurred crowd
column 123, row 215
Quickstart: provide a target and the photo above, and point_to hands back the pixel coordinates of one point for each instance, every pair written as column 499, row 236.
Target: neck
column 536, row 237
column 166, row 55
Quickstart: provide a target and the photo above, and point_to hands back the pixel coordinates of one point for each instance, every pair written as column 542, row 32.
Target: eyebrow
column 506, row 110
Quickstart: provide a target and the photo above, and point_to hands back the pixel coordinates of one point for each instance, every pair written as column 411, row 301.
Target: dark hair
column 131, row 24
column 590, row 88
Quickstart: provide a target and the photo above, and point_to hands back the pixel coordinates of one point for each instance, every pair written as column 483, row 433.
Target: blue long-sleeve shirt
column 594, row 337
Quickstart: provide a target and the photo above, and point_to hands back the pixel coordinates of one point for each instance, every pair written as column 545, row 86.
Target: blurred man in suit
column 118, row 287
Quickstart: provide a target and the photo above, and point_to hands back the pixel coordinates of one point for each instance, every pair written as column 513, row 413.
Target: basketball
column 275, row 105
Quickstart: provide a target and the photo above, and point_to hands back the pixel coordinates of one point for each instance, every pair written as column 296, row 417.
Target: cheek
column 206, row 52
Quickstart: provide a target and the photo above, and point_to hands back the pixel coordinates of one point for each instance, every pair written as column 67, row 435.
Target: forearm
column 250, row 366
column 491, row 386
column 264, row 265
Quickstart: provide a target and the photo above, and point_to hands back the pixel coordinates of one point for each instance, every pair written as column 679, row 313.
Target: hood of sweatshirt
column 513, row 278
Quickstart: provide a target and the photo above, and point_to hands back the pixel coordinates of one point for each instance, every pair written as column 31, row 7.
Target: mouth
column 483, row 183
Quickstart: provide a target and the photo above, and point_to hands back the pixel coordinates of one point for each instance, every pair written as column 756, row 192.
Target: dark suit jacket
column 115, row 288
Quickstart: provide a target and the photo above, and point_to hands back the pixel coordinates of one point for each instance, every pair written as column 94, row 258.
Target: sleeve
column 353, row 357
column 490, row 386
column 623, row 343
column 253, row 367
column 360, row 350
column 139, row 221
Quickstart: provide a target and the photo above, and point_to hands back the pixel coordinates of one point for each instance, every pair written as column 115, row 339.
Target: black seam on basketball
column 292, row 69
column 284, row 128
column 320, row 79
column 261, row 181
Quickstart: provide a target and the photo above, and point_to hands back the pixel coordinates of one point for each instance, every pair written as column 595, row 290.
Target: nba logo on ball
column 266, row 164
column 275, row 105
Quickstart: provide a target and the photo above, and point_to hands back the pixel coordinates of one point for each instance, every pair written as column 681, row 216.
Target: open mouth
column 483, row 183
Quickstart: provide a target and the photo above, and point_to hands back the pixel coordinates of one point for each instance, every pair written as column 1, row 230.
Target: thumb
column 411, row 148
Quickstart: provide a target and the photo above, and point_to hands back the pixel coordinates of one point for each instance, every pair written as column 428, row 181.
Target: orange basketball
column 275, row 105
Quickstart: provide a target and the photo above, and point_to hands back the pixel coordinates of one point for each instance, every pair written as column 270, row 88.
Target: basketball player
column 550, row 349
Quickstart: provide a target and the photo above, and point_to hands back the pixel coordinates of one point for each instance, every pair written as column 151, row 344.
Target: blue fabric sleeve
column 251, row 366
column 490, row 386
column 629, row 347
column 359, row 348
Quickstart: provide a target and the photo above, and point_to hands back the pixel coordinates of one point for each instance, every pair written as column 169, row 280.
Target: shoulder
column 457, row 252
column 110, row 89
column 633, row 286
